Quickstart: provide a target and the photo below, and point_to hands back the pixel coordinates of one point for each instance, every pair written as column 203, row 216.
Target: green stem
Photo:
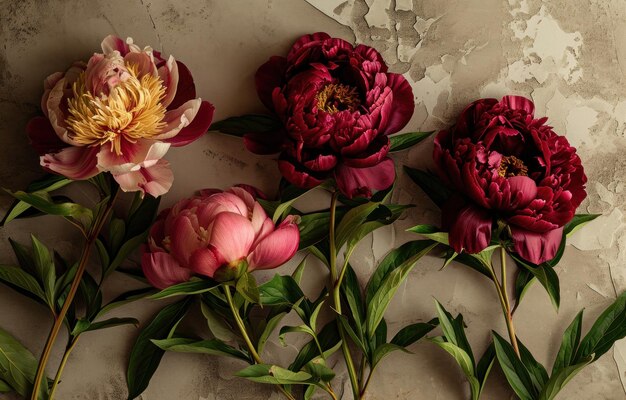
column 66, row 356
column 97, row 226
column 367, row 382
column 246, row 337
column 501, row 288
column 335, row 280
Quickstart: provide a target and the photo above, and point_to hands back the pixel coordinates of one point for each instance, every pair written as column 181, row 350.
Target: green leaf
column 474, row 262
column 377, row 305
column 484, row 366
column 403, row 141
column 268, row 329
column 288, row 197
column 125, row 250
column 42, row 201
column 280, row 291
column 117, row 231
column 142, row 218
column 23, row 282
column 453, row 330
column 430, row 184
column 18, row 366
column 186, row 289
column 125, row 298
column 314, row 226
column 250, row 123
column 414, row 332
column 91, row 294
column 561, row 378
column 45, row 269
column 328, row 339
column 213, row 347
column 537, row 372
column 64, row 281
column 216, row 324
column 318, row 369
column 578, row 222
column 299, row 271
column 294, row 329
column 569, row 344
column 360, row 342
column 351, row 291
column 431, row 232
column 24, row 257
column 384, row 350
column 275, row 375
column 514, row 371
column 546, row 276
column 48, row 183
column 145, row 356
column 392, row 261
column 463, row 360
column 248, row 288
column 4, row 387
column 523, row 281
column 608, row 328
column 86, row 326
column 352, row 221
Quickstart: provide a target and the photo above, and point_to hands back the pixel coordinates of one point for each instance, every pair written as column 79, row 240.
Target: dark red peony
column 337, row 104
column 507, row 165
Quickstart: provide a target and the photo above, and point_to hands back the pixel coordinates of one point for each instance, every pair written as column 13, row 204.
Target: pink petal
column 73, row 162
column 140, row 154
column 534, row 246
column 169, row 75
column 162, row 270
column 155, row 180
column 204, row 262
column 112, row 43
column 276, row 248
column 143, row 62
column 354, row 182
column 184, row 239
column 232, row 236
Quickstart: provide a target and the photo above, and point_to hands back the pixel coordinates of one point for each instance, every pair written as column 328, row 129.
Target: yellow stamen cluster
column 337, row 97
column 512, row 166
column 132, row 111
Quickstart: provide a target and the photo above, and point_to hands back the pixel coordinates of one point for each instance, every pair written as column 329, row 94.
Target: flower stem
column 96, row 227
column 246, row 337
column 66, row 356
column 501, row 288
column 335, row 280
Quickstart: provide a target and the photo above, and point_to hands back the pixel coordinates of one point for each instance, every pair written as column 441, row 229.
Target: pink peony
column 119, row 113
column 216, row 234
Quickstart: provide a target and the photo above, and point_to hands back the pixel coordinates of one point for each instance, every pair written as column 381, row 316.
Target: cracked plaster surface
column 569, row 57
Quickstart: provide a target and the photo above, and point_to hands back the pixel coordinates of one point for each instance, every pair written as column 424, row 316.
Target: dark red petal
column 306, row 39
column 356, row 182
column 377, row 152
column 198, row 127
column 536, row 247
column 297, row 177
column 519, row 103
column 470, row 229
column 42, row 136
column 523, row 190
column 269, row 76
column 264, row 143
column 186, row 89
column 323, row 162
column 403, row 104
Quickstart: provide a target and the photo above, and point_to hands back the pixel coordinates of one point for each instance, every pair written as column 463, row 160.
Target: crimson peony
column 337, row 104
column 505, row 164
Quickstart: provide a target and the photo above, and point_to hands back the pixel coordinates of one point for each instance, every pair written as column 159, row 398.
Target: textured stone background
column 569, row 57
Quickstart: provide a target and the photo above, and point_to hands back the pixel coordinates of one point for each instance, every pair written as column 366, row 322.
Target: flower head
column 506, row 164
column 119, row 113
column 216, row 234
column 337, row 104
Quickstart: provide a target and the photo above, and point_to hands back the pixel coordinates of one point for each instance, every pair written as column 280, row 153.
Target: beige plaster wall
column 568, row 56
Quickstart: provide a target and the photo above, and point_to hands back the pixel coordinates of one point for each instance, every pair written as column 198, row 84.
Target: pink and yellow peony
column 119, row 113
